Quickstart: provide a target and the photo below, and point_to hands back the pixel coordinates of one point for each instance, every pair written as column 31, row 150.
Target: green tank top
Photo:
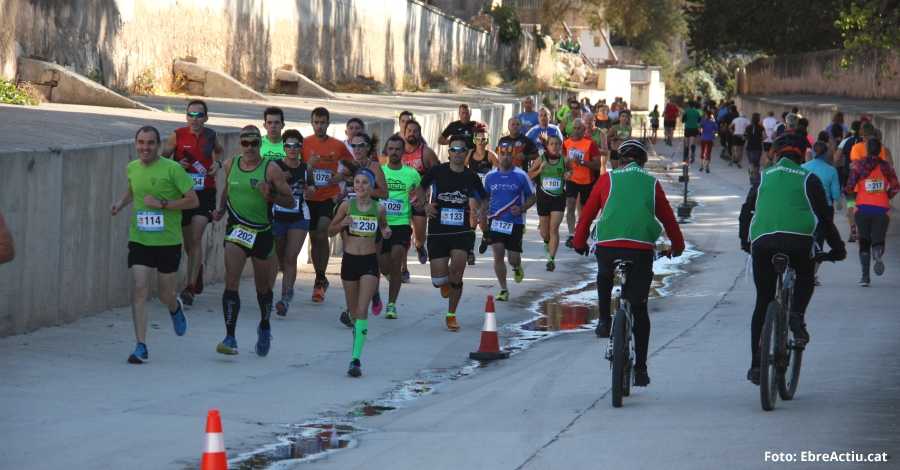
column 364, row 223
column 246, row 205
column 552, row 175
column 399, row 183
column 630, row 210
column 271, row 150
column 781, row 202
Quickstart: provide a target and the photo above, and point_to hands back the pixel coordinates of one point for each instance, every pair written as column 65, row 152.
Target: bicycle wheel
column 619, row 357
column 787, row 387
column 768, row 369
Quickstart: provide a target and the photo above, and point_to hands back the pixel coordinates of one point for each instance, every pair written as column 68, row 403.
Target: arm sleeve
column 747, row 210
column 183, row 181
column 667, row 217
column 816, row 195
column 446, row 132
column 595, row 202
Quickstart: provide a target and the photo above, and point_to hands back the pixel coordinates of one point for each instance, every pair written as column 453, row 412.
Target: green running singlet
column 400, row 183
column 162, row 179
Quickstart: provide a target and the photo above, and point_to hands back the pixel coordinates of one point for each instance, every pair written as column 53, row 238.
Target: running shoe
column 187, row 296
column 228, row 346
column 753, row 375
column 179, row 321
column 471, row 259
column 282, row 306
column 864, row 281
column 518, row 273
column 355, row 369
column 445, row 291
column 404, row 278
column 878, row 267
column 140, row 354
column 551, row 265
column 423, row 255
column 483, row 246
column 318, row 293
column 198, row 286
column 641, row 378
column 852, row 238
column 263, row 341
column 502, row 296
column 346, row 320
column 452, row 325
column 798, row 328
column 391, row 312
column 377, row 304
column 570, row 242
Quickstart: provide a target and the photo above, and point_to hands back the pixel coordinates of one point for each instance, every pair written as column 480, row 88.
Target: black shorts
column 654, row 124
column 581, row 191
column 164, row 258
column 354, row 267
column 513, row 241
column 547, row 203
column 262, row 246
column 737, row 141
column 691, row 132
column 207, row 205
column 319, row 209
column 669, row 124
column 440, row 246
column 768, row 145
column 400, row 235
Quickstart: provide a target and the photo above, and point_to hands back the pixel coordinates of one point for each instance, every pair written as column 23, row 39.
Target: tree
column 869, row 27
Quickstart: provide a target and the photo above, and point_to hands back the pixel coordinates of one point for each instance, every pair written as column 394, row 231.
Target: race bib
column 500, row 226
column 243, row 236
column 363, row 225
column 875, row 186
column 322, row 177
column 292, row 210
column 576, row 155
column 453, row 216
column 150, row 221
column 198, row 181
column 392, row 206
column 551, row 184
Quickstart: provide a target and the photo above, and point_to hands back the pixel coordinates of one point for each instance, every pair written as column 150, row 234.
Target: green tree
column 869, row 27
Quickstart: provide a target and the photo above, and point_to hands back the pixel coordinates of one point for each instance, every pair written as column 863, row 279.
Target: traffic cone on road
column 214, row 455
column 489, row 349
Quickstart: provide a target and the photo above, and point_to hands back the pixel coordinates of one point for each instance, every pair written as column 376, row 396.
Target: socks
column 451, row 314
column 360, row 331
column 265, row 308
column 231, row 306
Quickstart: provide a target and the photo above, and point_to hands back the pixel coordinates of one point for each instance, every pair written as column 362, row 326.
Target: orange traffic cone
column 214, row 455
column 490, row 343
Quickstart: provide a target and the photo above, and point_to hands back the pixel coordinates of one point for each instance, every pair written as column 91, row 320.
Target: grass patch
column 24, row 94
column 144, row 84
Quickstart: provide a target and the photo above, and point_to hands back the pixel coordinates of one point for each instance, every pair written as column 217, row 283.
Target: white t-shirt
column 769, row 123
column 740, row 124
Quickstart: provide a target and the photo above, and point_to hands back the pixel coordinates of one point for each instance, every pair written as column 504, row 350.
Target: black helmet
column 790, row 144
column 633, row 149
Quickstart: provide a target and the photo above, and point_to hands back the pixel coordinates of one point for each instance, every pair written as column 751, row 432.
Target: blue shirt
column 535, row 134
column 507, row 189
column 708, row 129
column 528, row 120
column 828, row 176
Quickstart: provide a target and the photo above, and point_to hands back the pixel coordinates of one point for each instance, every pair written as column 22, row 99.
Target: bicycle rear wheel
column 768, row 348
column 619, row 357
column 787, row 387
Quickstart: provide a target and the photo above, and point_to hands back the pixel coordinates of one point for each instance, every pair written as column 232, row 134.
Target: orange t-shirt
column 578, row 151
column 858, row 152
column 330, row 152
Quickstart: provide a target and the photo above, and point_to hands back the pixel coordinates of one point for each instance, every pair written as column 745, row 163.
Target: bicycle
column 620, row 350
column 780, row 357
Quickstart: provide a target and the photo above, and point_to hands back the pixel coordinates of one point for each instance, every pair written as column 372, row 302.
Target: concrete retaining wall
column 116, row 41
column 820, row 73
column 71, row 254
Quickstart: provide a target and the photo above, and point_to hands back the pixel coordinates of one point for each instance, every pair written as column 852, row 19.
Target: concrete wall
column 820, row 116
column 391, row 41
column 71, row 254
column 820, row 73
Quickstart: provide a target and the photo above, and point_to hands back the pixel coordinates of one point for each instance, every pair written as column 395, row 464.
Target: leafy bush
column 24, row 94
column 144, row 84
column 508, row 27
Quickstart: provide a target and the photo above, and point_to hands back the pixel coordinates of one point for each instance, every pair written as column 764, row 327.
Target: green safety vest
column 630, row 210
column 781, row 202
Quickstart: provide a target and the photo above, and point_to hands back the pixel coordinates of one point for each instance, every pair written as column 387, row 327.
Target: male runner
column 465, row 127
column 528, row 117
column 272, row 146
column 418, row 155
column 582, row 156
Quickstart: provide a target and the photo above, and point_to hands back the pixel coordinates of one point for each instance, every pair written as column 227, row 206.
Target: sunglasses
column 457, row 149
column 359, row 146
column 296, row 145
column 481, row 140
column 196, row 114
column 250, row 143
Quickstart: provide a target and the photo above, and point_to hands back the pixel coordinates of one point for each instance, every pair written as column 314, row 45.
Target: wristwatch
column 163, row 203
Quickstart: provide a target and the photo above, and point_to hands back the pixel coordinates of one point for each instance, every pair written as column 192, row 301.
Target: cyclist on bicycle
column 627, row 229
column 780, row 216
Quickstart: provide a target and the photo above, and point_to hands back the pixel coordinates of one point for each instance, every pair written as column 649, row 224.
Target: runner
column 754, row 135
column 539, row 133
column 633, row 204
column 272, row 146
column 358, row 220
column 290, row 224
column 456, row 193
column 197, row 148
column 322, row 154
column 654, row 123
column 252, row 183
column 405, row 116
column 670, row 115
column 354, row 126
column 524, row 149
column 421, row 158
column 691, row 120
column 160, row 190
column 549, row 173
column 482, row 161
column 845, row 147
column 821, row 167
column 870, row 188
column 528, row 118
column 769, row 124
column 708, row 128
column 582, row 156
column 509, row 195
column 738, row 126
column 402, row 180
column 465, row 127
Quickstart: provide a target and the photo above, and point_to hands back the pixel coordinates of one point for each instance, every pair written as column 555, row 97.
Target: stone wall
column 820, row 73
column 116, row 41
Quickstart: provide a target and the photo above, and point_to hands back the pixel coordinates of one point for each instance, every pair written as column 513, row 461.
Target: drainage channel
column 569, row 310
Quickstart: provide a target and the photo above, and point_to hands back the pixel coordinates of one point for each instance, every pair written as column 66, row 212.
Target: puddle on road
column 571, row 310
